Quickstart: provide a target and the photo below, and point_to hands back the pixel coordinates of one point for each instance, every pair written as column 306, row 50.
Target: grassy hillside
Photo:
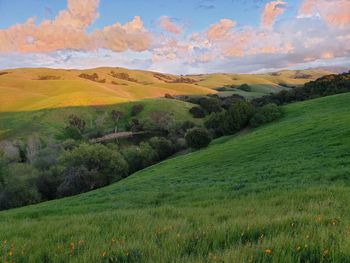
column 50, row 122
column 42, row 88
column 277, row 194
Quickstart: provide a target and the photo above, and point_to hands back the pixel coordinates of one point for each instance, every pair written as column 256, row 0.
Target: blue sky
column 183, row 43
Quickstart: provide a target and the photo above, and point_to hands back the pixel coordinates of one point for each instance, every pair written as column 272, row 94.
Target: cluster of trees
column 324, row 86
column 71, row 167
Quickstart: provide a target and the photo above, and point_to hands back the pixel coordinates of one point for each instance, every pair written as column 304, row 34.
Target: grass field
column 42, row 88
column 279, row 193
column 50, row 122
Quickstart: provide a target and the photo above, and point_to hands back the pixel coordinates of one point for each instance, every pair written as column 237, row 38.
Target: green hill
column 51, row 122
column 279, row 193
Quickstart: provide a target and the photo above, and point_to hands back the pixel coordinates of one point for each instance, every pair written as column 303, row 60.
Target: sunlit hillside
column 41, row 88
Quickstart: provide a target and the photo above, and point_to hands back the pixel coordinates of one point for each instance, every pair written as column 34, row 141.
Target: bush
column 210, row 104
column 136, row 109
column 49, row 181
column 98, row 165
column 134, row 125
column 197, row 112
column 162, row 146
column 214, row 122
column 237, row 117
column 265, row 114
column 197, row 138
column 139, row 157
column 245, row 87
column 159, row 121
column 78, row 180
column 18, row 187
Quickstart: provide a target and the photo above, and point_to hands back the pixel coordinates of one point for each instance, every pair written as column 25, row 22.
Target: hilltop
column 30, row 89
column 275, row 194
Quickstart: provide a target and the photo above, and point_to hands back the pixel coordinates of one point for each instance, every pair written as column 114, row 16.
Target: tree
column 139, row 157
column 78, row 180
column 98, row 165
column 197, row 112
column 136, row 109
column 33, row 148
column 116, row 115
column 197, row 138
column 210, row 104
column 265, row 114
column 236, row 117
column 162, row 146
column 245, row 87
column 75, row 127
column 214, row 122
column 18, row 187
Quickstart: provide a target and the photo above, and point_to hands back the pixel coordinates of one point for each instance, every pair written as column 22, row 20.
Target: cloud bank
column 320, row 31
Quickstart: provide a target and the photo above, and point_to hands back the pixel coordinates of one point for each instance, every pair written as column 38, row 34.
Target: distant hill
column 278, row 193
column 42, row 88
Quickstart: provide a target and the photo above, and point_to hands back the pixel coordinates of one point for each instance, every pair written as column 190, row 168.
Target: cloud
column 319, row 33
column 68, row 31
column 118, row 38
column 271, row 11
column 335, row 12
column 219, row 30
column 167, row 25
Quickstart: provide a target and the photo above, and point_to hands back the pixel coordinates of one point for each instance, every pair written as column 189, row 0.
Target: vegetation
column 276, row 194
column 265, row 114
column 197, row 138
column 324, row 86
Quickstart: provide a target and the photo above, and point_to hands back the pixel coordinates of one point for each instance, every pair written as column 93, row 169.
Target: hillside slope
column 276, row 194
column 42, row 88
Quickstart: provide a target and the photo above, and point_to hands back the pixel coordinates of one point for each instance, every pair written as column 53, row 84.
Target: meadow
column 51, row 122
column 278, row 193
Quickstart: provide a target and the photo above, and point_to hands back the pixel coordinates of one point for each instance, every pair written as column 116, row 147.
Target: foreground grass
column 277, row 194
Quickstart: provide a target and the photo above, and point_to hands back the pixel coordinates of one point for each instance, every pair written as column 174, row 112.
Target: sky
column 180, row 37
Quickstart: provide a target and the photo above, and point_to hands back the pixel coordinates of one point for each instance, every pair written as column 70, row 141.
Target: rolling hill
column 278, row 193
column 41, row 88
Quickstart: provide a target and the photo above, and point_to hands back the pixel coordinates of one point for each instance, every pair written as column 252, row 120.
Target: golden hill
column 42, row 88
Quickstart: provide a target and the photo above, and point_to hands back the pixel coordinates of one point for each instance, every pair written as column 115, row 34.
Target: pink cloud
column 166, row 24
column 271, row 11
column 220, row 29
column 335, row 13
column 68, row 31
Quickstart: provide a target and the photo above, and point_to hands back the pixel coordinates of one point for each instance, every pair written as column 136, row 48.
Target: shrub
column 18, row 187
column 133, row 157
column 78, row 180
column 159, row 121
column 98, row 165
column 265, row 114
column 136, row 109
column 162, row 146
column 139, row 157
column 214, row 122
column 134, row 125
column 197, row 138
column 47, row 157
column 236, row 117
column 210, row 104
column 75, row 127
column 197, row 112
column 245, row 87
column 49, row 181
